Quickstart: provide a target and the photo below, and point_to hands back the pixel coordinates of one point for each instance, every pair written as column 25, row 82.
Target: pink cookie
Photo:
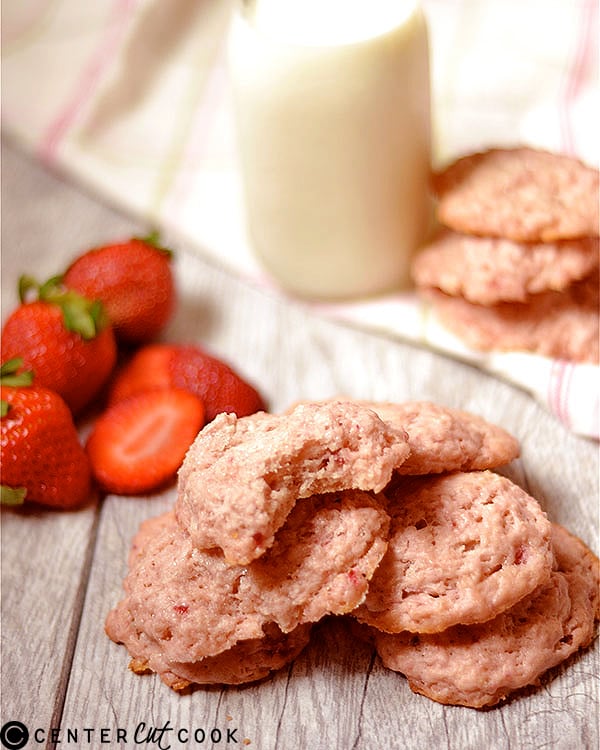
column 445, row 439
column 479, row 665
column 522, row 194
column 242, row 477
column 186, row 604
column 488, row 270
column 463, row 547
column 561, row 325
column 247, row 661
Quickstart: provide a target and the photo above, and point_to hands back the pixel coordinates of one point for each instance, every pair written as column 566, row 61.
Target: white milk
column 332, row 100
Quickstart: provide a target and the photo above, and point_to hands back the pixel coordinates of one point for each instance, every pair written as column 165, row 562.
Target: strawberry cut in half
column 138, row 444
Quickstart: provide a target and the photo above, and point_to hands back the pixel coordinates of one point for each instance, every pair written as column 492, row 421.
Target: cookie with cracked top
column 241, row 477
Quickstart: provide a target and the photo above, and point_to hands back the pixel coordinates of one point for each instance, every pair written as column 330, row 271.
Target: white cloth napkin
column 131, row 98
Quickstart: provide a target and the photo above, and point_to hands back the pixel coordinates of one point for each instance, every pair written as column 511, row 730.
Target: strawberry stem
column 26, row 284
column 153, row 239
column 12, row 495
column 80, row 314
column 9, row 374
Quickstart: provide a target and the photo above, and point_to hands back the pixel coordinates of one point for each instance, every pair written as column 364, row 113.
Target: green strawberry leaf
column 11, row 366
column 52, row 289
column 77, row 316
column 80, row 314
column 12, row 495
column 26, row 284
column 9, row 374
column 153, row 239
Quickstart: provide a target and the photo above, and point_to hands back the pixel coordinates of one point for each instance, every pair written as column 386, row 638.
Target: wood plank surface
column 62, row 572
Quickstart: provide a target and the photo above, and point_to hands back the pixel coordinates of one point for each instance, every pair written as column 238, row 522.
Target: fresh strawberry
column 147, row 369
column 192, row 369
column 138, row 444
column 41, row 456
column 135, row 283
column 64, row 338
column 220, row 388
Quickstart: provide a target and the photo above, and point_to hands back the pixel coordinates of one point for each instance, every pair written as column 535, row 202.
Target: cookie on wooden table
column 480, row 665
column 192, row 604
column 445, row 439
column 178, row 601
column 241, row 477
column 523, row 194
column 562, row 325
column 488, row 270
column 247, row 661
column 463, row 547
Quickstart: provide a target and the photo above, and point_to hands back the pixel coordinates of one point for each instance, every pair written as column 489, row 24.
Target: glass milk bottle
column 332, row 104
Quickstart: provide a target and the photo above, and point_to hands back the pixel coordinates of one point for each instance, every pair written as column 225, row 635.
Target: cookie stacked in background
column 387, row 514
column 515, row 263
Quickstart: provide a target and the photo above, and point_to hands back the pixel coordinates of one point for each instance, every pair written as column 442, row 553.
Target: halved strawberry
column 138, row 444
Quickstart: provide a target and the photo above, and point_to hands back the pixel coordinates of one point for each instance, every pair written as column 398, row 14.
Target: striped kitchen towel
column 131, row 98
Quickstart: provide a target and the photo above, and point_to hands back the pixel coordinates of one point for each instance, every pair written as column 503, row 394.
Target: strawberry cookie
column 463, row 547
column 242, row 477
column 487, row 270
column 522, row 194
column 563, row 325
column 479, row 665
column 247, row 661
column 445, row 439
column 183, row 604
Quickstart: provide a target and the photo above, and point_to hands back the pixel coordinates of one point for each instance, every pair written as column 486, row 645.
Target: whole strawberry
column 219, row 386
column 134, row 281
column 64, row 338
column 41, row 456
column 190, row 368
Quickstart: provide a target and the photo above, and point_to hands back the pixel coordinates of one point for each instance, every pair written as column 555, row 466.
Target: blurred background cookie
column 523, row 194
column 562, row 325
column 487, row 270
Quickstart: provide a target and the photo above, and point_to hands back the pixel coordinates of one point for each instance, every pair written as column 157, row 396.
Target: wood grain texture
column 61, row 573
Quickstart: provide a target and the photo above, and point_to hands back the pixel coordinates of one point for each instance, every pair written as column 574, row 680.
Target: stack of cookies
column 388, row 514
column 515, row 263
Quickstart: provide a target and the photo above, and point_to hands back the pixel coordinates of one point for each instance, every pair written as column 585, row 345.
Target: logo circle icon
column 14, row 735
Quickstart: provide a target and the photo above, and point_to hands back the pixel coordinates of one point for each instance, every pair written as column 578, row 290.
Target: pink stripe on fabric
column 34, row 16
column 565, row 393
column 583, row 58
column 559, row 384
column 204, row 120
column 554, row 384
column 99, row 60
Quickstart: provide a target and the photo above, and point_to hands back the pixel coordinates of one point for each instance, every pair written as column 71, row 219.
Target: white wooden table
column 62, row 572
